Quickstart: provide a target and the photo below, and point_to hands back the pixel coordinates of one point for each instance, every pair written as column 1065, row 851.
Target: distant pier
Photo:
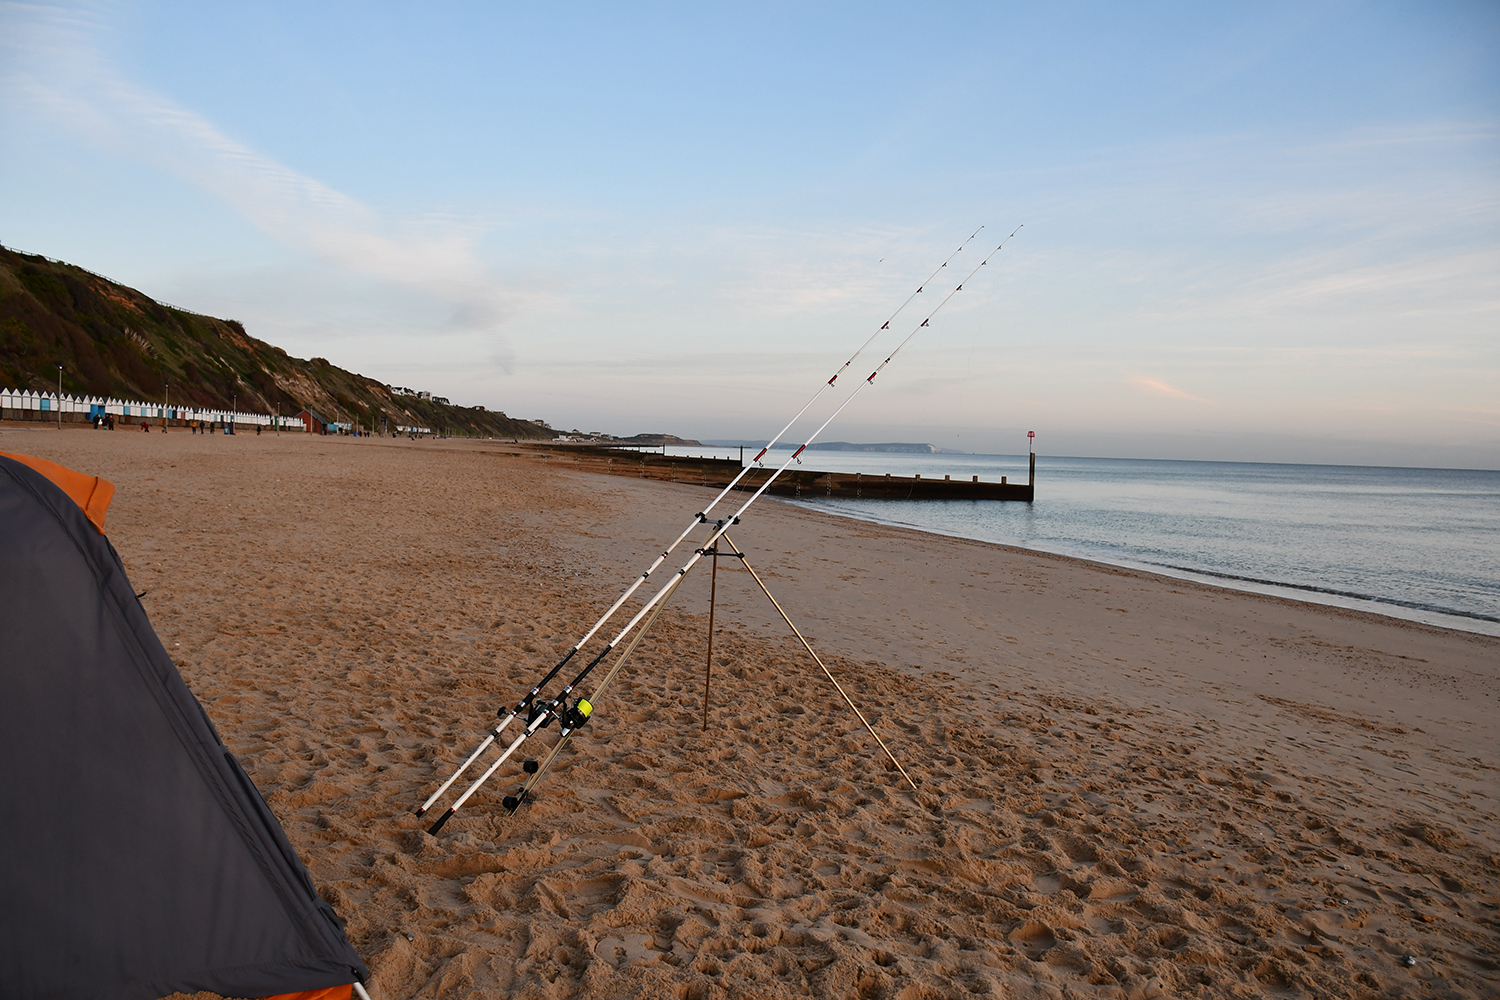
column 794, row 482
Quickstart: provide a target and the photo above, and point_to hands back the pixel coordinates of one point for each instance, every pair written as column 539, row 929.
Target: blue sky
column 1265, row 232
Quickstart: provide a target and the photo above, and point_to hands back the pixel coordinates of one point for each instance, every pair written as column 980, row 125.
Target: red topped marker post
column 1030, row 450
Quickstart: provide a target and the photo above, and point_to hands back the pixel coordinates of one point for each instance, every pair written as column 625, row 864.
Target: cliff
column 112, row 340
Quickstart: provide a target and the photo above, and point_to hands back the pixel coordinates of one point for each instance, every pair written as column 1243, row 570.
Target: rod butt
column 421, row 810
column 445, row 817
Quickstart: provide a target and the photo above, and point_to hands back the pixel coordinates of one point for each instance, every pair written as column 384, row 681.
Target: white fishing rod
column 526, row 702
column 572, row 717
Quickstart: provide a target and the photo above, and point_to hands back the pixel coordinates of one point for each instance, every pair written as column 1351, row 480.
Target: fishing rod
column 575, row 716
column 527, row 701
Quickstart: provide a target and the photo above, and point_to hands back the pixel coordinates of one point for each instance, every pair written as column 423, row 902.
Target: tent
column 139, row 858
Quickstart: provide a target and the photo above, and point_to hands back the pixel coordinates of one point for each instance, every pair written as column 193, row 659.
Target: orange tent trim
column 91, row 493
column 331, row 993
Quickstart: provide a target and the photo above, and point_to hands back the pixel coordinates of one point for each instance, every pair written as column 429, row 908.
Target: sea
column 1419, row 544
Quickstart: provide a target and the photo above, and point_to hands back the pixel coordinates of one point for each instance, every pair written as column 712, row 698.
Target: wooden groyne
column 794, row 482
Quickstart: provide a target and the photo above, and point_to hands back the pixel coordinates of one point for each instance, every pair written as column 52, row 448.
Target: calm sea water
column 1422, row 544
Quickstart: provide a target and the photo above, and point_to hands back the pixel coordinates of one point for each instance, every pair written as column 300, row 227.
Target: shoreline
column 1435, row 618
column 1415, row 613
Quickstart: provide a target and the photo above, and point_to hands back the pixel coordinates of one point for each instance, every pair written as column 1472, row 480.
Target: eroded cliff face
column 112, row 340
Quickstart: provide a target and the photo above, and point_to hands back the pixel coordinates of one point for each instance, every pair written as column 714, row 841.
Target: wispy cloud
column 1156, row 387
column 57, row 69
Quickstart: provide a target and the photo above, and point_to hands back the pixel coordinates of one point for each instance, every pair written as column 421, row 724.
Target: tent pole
column 359, row 988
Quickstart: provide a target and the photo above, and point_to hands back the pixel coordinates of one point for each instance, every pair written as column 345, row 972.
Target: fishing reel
column 575, row 716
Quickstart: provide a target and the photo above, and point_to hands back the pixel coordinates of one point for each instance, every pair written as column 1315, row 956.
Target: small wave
column 1313, row 589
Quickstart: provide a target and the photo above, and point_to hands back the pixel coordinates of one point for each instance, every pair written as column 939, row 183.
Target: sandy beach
column 1130, row 786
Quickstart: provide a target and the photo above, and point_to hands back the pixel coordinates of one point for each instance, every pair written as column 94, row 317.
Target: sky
column 1258, row 232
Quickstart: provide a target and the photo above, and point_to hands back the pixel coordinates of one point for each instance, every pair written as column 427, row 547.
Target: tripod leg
column 708, row 667
column 819, row 662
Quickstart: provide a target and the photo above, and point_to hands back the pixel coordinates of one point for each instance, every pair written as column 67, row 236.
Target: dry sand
column 1130, row 785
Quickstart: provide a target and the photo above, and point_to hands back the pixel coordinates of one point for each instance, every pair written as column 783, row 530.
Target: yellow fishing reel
column 574, row 717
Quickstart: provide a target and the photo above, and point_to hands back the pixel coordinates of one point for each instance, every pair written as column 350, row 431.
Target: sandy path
column 1130, row 785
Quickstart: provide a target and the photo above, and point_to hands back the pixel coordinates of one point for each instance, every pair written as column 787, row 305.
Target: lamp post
column 167, row 409
column 234, row 405
column 59, row 397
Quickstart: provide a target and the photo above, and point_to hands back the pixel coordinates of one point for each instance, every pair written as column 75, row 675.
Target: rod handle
column 439, row 824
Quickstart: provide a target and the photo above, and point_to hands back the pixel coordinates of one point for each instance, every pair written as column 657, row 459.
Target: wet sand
column 1130, row 785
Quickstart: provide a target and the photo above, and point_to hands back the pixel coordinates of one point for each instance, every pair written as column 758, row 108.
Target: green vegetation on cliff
column 114, row 341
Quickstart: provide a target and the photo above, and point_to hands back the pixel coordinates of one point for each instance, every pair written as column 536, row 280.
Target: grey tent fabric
column 136, row 858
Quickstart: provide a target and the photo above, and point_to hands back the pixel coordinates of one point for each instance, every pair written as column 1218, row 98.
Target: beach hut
column 314, row 421
column 140, row 859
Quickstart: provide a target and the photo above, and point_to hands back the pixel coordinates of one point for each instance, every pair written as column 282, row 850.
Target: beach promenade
column 1131, row 786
